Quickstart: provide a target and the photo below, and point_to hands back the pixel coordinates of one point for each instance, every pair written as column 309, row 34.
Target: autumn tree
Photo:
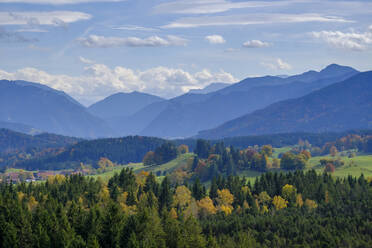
column 225, row 200
column 182, row 149
column 333, row 151
column 149, row 158
column 267, row 150
column 279, row 202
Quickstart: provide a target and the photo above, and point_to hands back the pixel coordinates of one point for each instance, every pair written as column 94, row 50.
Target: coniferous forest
column 295, row 209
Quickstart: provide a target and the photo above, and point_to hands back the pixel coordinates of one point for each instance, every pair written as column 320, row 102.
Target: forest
column 295, row 209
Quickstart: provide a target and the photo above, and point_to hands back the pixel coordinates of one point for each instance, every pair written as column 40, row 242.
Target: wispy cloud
column 215, row 39
column 277, row 64
column 252, row 19
column 9, row 36
column 31, row 30
column 256, row 44
column 152, row 41
column 346, row 40
column 211, row 6
column 57, row 2
column 85, row 60
column 134, row 28
column 34, row 18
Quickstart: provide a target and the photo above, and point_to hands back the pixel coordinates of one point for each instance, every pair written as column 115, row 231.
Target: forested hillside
column 278, row 210
column 118, row 150
column 11, row 141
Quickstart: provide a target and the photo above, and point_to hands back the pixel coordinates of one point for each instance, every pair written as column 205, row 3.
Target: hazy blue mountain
column 122, row 104
column 48, row 110
column 134, row 124
column 44, row 87
column 18, row 127
column 338, row 107
column 185, row 118
column 210, row 88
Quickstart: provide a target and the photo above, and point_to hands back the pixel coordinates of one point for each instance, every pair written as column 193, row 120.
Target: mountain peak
column 335, row 68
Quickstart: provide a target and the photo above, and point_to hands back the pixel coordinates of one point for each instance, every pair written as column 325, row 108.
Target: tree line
column 294, row 209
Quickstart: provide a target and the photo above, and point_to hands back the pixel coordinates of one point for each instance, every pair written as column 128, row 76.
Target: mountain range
column 341, row 106
column 48, row 110
column 184, row 118
column 33, row 108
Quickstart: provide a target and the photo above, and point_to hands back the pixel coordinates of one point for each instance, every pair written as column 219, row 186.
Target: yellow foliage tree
column 279, row 202
column 225, row 199
column 226, row 209
column 289, row 191
column 173, row 213
column 264, row 209
column 20, row 195
column 299, row 201
column 311, row 204
column 263, row 197
column 104, row 194
column 206, row 206
column 182, row 196
column 56, row 179
column 32, row 203
column 104, row 163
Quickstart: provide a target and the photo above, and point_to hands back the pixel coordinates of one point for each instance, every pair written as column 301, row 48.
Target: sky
column 93, row 48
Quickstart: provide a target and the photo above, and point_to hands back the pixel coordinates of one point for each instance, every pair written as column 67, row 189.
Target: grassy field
column 107, row 175
column 137, row 167
column 280, row 150
column 361, row 164
column 172, row 165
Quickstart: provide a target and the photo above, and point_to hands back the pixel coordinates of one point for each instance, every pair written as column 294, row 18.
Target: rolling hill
column 341, row 106
column 15, row 141
column 48, row 110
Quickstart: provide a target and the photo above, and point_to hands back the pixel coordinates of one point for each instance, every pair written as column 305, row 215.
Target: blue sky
column 94, row 48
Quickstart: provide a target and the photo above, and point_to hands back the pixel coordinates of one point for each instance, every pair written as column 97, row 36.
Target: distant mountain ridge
column 185, row 118
column 122, row 104
column 338, row 107
column 209, row 88
column 48, row 110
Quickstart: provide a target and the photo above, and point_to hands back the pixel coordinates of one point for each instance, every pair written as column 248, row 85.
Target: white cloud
column 134, row 28
column 251, row 19
column 215, row 39
column 31, row 30
column 85, row 60
column 277, row 64
column 100, row 81
column 57, row 2
column 211, row 6
column 352, row 40
column 34, row 18
column 152, row 41
column 255, row 44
